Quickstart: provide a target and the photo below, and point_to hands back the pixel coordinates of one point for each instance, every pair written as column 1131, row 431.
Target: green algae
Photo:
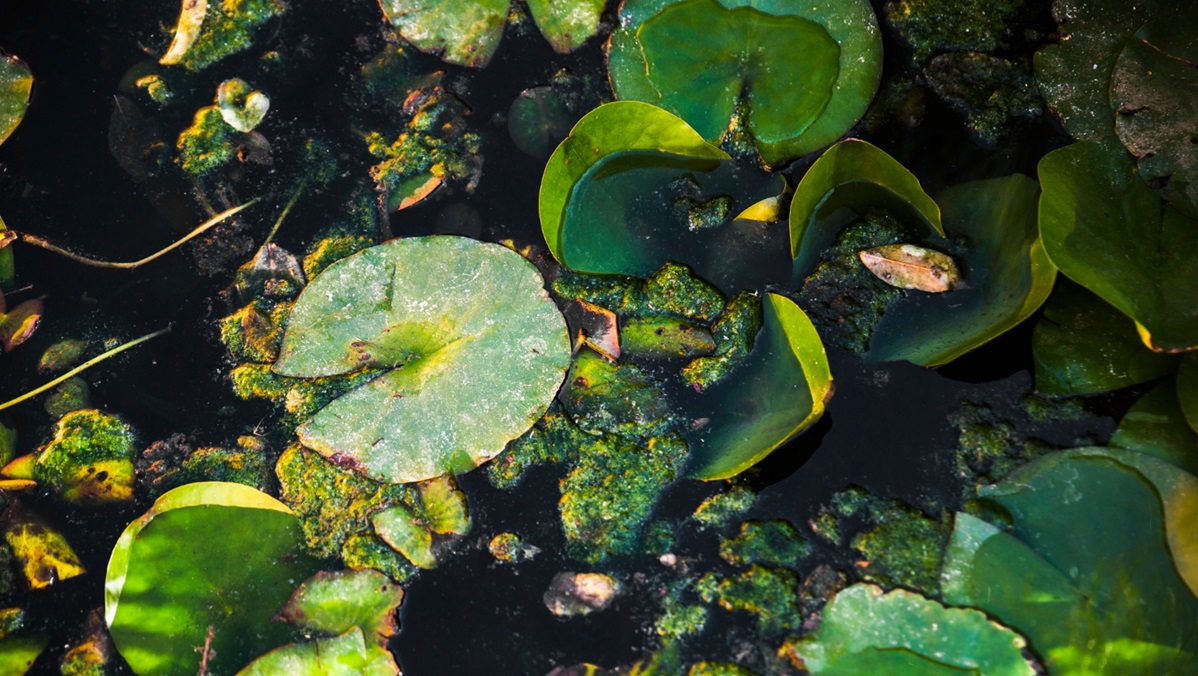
column 228, row 28
column 620, row 399
column 769, row 594
column 554, row 439
column 366, row 550
column 775, row 543
column 722, row 509
column 664, row 338
column 734, row 334
column 992, row 93
column 208, row 144
column 329, row 250
column 63, row 355
column 931, row 26
column 90, row 459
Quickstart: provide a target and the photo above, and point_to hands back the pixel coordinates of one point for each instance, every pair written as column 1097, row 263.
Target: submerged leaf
column 42, row 554
column 187, row 31
column 16, row 83
column 908, row 266
column 1187, row 389
column 655, row 56
column 180, row 570
column 1155, row 425
column 476, row 348
column 18, row 325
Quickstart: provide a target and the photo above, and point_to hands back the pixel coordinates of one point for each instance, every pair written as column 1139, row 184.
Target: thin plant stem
column 286, row 210
column 83, row 367
column 199, row 230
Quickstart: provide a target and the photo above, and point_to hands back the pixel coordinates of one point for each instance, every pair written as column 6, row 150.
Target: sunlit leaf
column 566, row 24
column 42, row 554
column 900, row 633
column 1105, row 228
column 181, row 568
column 780, row 391
column 17, row 653
column 476, row 347
column 17, row 326
column 241, row 107
column 347, row 655
column 333, row 603
column 655, row 56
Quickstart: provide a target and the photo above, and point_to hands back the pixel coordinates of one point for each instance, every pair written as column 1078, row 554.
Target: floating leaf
column 1105, row 228
column 848, row 180
column 7, row 269
column 1154, row 91
column 89, row 461
column 180, row 569
column 16, row 83
column 1155, row 425
column 476, row 347
column 866, row 631
column 407, row 534
column 1089, row 568
column 779, row 391
column 655, row 56
column 566, row 24
column 1074, row 74
column 347, row 655
column 1082, row 345
column 907, row 266
column 1008, row 277
column 1187, row 389
column 335, row 602
column 17, row 653
column 42, row 554
column 241, row 107
column 538, row 120
column 17, row 326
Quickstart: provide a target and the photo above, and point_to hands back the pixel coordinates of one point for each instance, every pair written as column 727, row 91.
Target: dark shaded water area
column 887, row 428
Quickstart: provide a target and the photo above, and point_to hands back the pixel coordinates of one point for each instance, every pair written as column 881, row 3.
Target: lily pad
column 866, row 631
column 1075, row 74
column 1155, row 425
column 566, row 24
column 475, row 347
column 849, row 179
column 180, row 569
column 241, row 107
column 1154, row 91
column 16, row 83
column 1187, row 389
column 333, row 603
column 780, row 390
column 1007, row 277
column 347, row 655
column 655, row 56
column 1094, row 567
column 17, row 653
column 1082, row 345
column 1107, row 230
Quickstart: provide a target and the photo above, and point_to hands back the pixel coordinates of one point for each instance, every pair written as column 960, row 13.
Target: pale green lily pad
column 848, row 180
column 16, row 83
column 1075, row 74
column 347, row 655
column 900, row 633
column 241, row 106
column 333, row 603
column 566, row 24
column 1007, row 277
column 1105, row 228
column 780, row 390
column 1155, row 425
column 476, row 348
column 655, row 56
column 1094, row 567
column 1187, row 389
column 180, row 569
column 1082, row 345
column 1154, row 91
column 406, row 533
column 464, row 33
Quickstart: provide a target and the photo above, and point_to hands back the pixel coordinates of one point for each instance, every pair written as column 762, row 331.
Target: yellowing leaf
column 907, row 266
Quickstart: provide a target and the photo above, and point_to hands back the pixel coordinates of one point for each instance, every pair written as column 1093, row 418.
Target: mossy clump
column 992, row 93
column 771, row 594
column 332, row 249
column 363, row 550
column 734, row 334
column 773, row 543
column 611, row 492
column 554, row 439
column 90, row 459
column 931, row 26
column 674, row 290
column 208, row 144
column 506, row 547
column 228, row 28
column 254, row 333
column 621, row 399
column 172, row 462
column 680, row 619
column 844, row 299
column 722, row 509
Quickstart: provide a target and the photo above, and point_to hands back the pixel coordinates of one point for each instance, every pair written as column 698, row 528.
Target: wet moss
column 827, row 526
column 554, row 439
column 299, row 397
column 610, row 494
column 228, row 28
column 362, row 551
column 675, row 289
column 679, row 619
column 931, row 26
column 208, row 144
column 658, row 538
column 771, row 594
column 506, row 547
column 773, row 543
column 332, row 249
column 620, row 399
column 991, row 92
column 254, row 333
column 722, row 509
column 90, row 459
column 246, row 466
column 734, row 334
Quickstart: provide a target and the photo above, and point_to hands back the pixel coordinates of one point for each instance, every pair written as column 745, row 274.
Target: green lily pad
column 347, row 655
column 1075, row 74
column 1155, row 425
column 656, row 57
column 1154, row 91
column 849, row 179
column 1094, row 568
column 566, row 24
column 1007, row 276
column 180, row 569
column 780, row 390
column 866, row 631
column 1082, row 345
column 1105, row 228
column 333, row 603
column 17, row 653
column 1187, row 389
column 16, row 83
column 476, row 348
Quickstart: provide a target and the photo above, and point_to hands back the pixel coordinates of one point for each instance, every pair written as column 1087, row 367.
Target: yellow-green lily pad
column 16, row 83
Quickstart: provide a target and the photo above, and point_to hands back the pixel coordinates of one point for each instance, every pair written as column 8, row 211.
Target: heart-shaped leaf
column 656, row 56
column 241, row 106
column 1105, row 228
column 476, row 348
column 180, row 570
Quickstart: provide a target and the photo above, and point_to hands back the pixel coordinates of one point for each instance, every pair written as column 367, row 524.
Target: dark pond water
column 887, row 429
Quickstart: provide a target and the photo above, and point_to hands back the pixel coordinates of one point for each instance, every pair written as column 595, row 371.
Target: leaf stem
column 83, row 367
column 200, row 229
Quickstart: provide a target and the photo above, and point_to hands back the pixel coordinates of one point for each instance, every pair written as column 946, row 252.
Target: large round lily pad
column 475, row 347
column 701, row 59
column 207, row 555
